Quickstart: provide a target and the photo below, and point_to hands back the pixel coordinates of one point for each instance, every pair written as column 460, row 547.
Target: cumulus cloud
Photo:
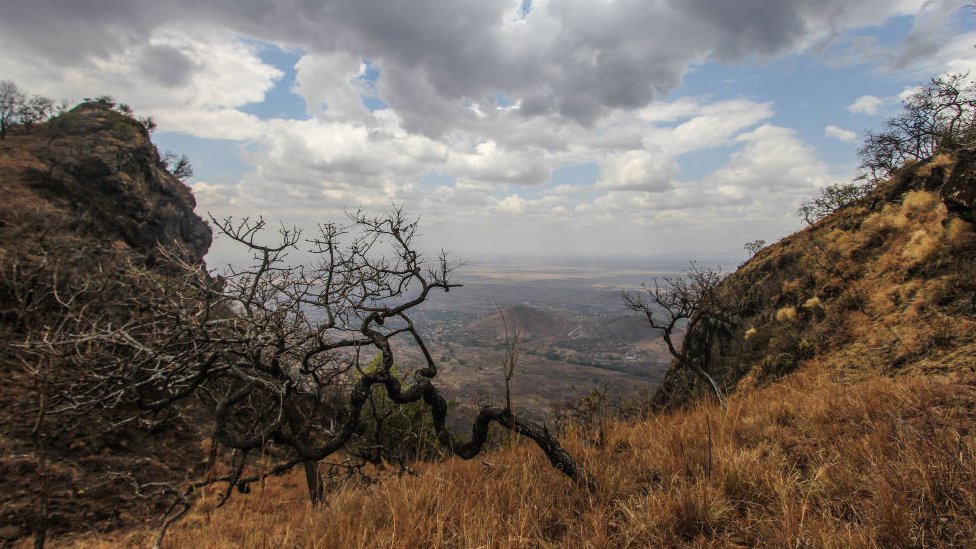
column 485, row 102
column 573, row 59
column 866, row 104
column 638, row 171
column 840, row 133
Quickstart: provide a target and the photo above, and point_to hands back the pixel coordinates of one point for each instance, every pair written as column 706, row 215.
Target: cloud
column 839, row 133
column 578, row 60
column 638, row 171
column 512, row 204
column 866, row 104
column 927, row 37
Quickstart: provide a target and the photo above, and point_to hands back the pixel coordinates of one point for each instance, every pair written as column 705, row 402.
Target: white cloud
column 512, row 204
column 866, row 104
column 638, row 171
column 840, row 133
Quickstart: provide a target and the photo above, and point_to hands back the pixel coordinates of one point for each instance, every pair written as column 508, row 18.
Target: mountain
column 849, row 420
column 555, row 329
column 886, row 286
column 530, row 322
column 84, row 195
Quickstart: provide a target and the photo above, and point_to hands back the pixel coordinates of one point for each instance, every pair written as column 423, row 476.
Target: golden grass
column 888, row 219
column 807, row 462
column 916, row 202
column 938, row 161
column 786, row 314
column 813, row 303
column 960, row 233
column 921, row 246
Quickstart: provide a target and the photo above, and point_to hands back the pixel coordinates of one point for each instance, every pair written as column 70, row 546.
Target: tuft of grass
column 921, row 246
column 938, row 161
column 786, row 314
column 917, row 202
column 813, row 303
column 960, row 233
column 887, row 220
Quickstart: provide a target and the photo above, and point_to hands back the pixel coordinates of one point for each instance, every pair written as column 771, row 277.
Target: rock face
column 80, row 195
column 887, row 285
column 94, row 172
column 959, row 190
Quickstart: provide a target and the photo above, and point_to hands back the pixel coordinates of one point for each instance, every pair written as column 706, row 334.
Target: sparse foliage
column 35, row 110
column 178, row 165
column 832, row 198
column 11, row 102
column 148, row 123
column 754, row 246
column 693, row 301
column 16, row 108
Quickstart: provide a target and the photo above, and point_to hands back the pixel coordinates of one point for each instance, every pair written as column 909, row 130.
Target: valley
column 574, row 335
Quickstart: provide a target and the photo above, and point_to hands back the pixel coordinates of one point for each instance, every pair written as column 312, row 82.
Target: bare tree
column 11, row 101
column 754, row 246
column 832, row 198
column 178, row 165
column 17, row 108
column 274, row 349
column 938, row 116
column 694, row 302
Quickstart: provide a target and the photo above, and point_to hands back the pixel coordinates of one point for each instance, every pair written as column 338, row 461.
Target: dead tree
column 274, row 350
column 693, row 302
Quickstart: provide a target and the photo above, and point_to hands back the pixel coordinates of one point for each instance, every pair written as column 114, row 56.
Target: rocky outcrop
column 99, row 170
column 959, row 190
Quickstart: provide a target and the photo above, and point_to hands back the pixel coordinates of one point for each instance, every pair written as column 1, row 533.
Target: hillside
column 885, row 286
column 530, row 322
column 83, row 196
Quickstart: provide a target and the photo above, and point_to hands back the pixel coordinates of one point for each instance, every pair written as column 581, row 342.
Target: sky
column 539, row 129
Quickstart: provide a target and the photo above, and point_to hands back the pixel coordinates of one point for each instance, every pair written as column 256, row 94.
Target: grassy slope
column 805, row 462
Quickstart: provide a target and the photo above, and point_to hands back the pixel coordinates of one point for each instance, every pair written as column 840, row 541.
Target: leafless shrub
column 693, row 301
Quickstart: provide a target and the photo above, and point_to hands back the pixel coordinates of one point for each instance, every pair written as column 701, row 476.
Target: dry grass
column 786, row 314
column 960, row 233
column 803, row 463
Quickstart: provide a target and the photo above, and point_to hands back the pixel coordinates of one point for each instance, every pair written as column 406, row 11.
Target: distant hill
column 534, row 324
column 884, row 286
column 530, row 322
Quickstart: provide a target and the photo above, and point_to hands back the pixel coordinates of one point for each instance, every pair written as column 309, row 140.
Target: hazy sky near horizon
column 645, row 128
